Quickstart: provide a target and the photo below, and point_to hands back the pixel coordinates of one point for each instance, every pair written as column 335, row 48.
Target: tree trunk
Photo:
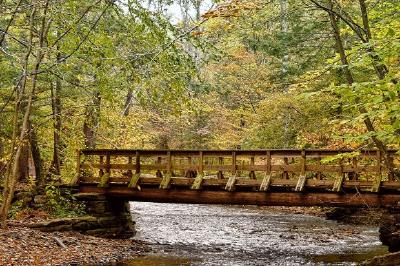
column 380, row 68
column 12, row 178
column 128, row 102
column 57, row 142
column 92, row 121
column 35, row 152
column 350, row 80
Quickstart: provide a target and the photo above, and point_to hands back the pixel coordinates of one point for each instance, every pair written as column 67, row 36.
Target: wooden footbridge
column 255, row 177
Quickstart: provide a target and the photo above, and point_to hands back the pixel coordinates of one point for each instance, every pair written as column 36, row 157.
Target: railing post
column 105, row 177
column 302, row 179
column 390, row 159
column 188, row 173
column 165, row 182
column 134, row 182
column 230, row 184
column 252, row 174
column 129, row 172
column 101, row 161
column 378, row 178
column 285, row 173
column 199, row 178
column 319, row 174
column 220, row 162
column 267, row 178
column 158, row 172
column 337, row 184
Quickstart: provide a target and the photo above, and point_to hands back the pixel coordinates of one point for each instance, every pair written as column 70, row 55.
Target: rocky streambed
column 181, row 234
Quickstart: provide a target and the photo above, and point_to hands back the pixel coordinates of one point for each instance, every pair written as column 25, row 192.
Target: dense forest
column 253, row 74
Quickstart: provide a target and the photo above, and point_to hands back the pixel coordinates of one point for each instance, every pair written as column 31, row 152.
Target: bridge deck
column 262, row 177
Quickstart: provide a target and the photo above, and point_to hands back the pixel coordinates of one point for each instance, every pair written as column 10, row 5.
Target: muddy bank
column 24, row 246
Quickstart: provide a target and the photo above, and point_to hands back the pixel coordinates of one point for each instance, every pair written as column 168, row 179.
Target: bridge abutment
column 389, row 231
column 111, row 216
column 106, row 217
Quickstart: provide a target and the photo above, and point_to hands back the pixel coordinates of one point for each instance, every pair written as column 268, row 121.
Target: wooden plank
column 129, row 173
column 104, row 180
column 101, row 160
column 377, row 181
column 302, row 179
column 337, row 185
column 265, row 183
column 220, row 175
column 276, row 168
column 252, row 174
column 248, row 198
column 267, row 178
column 146, row 180
column 300, row 183
column 134, row 182
column 230, row 184
column 166, row 180
column 285, row 174
column 199, row 178
column 276, row 153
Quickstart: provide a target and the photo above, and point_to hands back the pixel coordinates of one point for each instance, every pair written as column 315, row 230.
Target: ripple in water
column 186, row 234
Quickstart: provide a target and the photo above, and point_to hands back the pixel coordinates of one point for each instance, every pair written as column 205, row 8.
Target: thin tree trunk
column 12, row 180
column 380, row 68
column 128, row 102
column 20, row 93
column 350, row 80
column 92, row 121
column 4, row 32
column 35, row 152
column 55, row 167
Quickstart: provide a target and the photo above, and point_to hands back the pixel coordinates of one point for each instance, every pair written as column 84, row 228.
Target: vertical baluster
column 285, row 174
column 189, row 170
column 129, row 172
column 319, row 174
column 220, row 162
column 101, row 171
column 252, row 174
column 158, row 172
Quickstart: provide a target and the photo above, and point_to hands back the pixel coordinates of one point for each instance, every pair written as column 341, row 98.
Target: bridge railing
column 260, row 170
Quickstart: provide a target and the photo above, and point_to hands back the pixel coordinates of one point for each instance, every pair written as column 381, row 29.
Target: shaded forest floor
column 20, row 245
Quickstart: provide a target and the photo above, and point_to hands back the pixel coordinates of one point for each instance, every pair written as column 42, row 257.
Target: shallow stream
column 185, row 234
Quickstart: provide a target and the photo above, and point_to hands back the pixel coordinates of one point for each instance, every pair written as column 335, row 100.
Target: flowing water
column 185, row 234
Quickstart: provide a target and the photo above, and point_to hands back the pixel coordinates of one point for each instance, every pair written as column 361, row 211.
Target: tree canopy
column 236, row 74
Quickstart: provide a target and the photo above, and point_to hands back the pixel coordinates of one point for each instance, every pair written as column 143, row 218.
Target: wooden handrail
column 267, row 164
